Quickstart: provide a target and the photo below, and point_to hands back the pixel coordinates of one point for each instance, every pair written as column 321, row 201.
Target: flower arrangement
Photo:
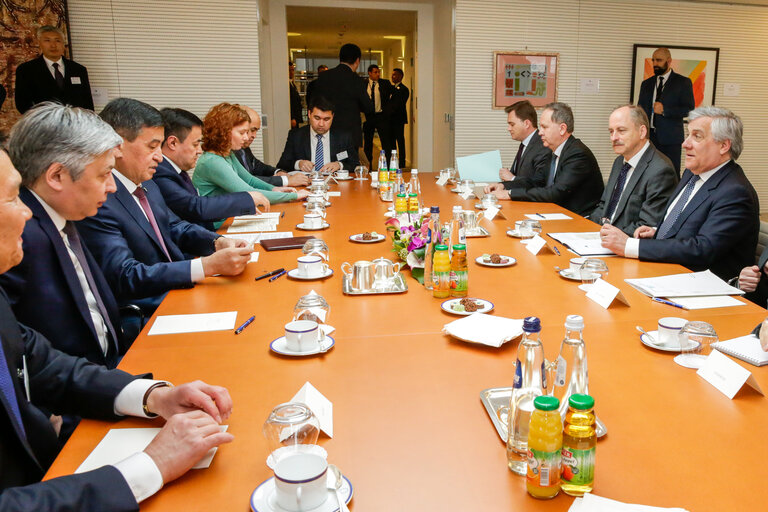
column 409, row 240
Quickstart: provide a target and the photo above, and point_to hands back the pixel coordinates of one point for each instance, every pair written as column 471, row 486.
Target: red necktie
column 142, row 195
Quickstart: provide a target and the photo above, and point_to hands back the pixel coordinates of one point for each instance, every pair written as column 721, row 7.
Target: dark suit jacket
column 578, row 183
column 718, row 228
column 65, row 385
column 296, row 104
column 396, row 106
column 258, row 168
column 182, row 198
column 310, row 90
column 298, row 147
column 128, row 252
column 385, row 91
column 45, row 293
column 677, row 98
column 35, row 84
column 344, row 88
column 645, row 195
column 760, row 295
column 536, row 158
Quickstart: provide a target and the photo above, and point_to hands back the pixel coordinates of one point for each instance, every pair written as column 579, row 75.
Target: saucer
column 304, row 227
column 361, row 179
column 486, row 306
column 480, row 261
column 279, row 346
column 327, row 204
column 572, row 275
column 481, row 206
column 263, row 498
column 343, row 179
column 378, row 237
column 296, row 275
column 648, row 343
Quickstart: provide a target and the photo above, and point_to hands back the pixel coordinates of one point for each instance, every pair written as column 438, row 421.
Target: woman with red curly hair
column 218, row 171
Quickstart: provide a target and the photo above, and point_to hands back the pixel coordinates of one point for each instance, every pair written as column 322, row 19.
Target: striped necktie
column 319, row 153
column 669, row 222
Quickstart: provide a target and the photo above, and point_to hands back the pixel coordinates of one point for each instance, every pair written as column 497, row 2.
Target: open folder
column 480, row 167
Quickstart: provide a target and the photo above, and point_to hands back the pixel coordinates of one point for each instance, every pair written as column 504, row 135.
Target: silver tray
column 398, row 286
column 478, row 232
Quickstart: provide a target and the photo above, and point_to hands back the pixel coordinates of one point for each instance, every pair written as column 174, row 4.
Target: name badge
column 76, row 80
column 342, row 155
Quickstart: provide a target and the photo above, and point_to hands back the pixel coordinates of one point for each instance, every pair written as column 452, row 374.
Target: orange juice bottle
column 441, row 272
column 545, row 443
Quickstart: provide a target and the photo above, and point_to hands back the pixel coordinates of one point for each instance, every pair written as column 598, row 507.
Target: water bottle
column 530, row 382
column 433, row 238
column 399, row 182
column 571, row 365
column 385, row 183
column 394, row 164
column 458, row 234
column 414, row 186
column 383, row 169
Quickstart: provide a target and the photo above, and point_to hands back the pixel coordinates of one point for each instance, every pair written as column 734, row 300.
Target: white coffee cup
column 342, row 173
column 313, row 220
column 576, row 263
column 302, row 335
column 312, row 265
column 300, row 481
column 669, row 329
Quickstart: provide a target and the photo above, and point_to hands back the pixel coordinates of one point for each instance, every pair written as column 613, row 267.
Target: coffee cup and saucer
column 313, row 222
column 302, row 338
column 342, row 175
column 310, row 266
column 666, row 336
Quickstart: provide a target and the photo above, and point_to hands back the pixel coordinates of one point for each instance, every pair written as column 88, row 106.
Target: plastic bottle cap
column 546, row 403
column 434, row 209
column 581, row 402
column 574, row 323
column 532, row 324
column 460, row 247
column 441, row 247
column 457, row 207
column 400, row 195
column 413, row 195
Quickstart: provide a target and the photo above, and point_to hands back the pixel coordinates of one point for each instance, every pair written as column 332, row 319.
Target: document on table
column 747, row 348
column 548, row 216
column 480, row 167
column 593, row 503
column 717, row 301
column 695, row 284
column 264, row 215
column 583, row 244
column 120, row 443
column 200, row 322
column 253, row 225
column 254, row 238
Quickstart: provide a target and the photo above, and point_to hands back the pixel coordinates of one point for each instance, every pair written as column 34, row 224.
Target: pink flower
column 416, row 243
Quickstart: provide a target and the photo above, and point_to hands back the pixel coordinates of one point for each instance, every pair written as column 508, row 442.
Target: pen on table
column 667, row 302
column 540, row 215
column 282, row 214
column 246, row 324
column 557, row 251
column 269, row 274
column 275, row 277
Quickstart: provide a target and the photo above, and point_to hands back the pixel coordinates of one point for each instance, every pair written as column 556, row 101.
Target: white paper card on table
column 604, row 293
column 443, row 179
column 318, row 404
column 254, row 257
column 491, row 212
column 120, row 443
column 466, row 194
column 480, row 166
column 536, row 244
column 747, row 348
column 199, row 322
column 335, row 193
column 548, row 216
column 726, row 375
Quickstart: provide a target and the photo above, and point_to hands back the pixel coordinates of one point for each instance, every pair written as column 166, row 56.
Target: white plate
column 648, row 343
column 343, row 179
column 295, row 275
column 479, row 260
column 573, row 275
column 486, row 306
column 304, row 227
column 279, row 346
column 377, row 238
column 263, row 498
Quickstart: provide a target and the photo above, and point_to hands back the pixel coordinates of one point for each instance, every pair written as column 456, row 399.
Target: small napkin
column 592, row 503
column 489, row 330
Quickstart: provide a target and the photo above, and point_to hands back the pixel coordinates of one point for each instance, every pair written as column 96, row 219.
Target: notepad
column 202, row 322
column 747, row 348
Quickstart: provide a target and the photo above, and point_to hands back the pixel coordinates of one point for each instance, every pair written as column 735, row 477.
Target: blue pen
column 667, row 302
column 275, row 277
column 246, row 324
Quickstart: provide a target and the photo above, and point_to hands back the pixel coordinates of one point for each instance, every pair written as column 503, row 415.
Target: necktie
column 319, row 153
column 188, row 181
column 660, row 89
column 518, row 156
column 58, row 76
column 244, row 160
column 552, row 169
column 142, row 196
column 617, row 190
column 74, row 243
column 373, row 96
column 669, row 222
column 9, row 392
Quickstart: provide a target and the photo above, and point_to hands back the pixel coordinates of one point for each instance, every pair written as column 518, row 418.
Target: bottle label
column 518, row 375
column 459, row 280
column 578, row 466
column 562, row 366
column 441, row 280
column 543, row 468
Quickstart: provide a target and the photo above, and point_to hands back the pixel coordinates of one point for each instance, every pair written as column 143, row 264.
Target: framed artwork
column 528, row 76
column 698, row 64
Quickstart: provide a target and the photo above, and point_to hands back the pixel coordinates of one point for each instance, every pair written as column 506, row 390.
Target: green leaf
column 418, row 274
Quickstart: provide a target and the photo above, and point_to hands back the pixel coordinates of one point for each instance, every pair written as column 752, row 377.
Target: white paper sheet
column 489, row 330
column 254, row 238
column 201, row 322
column 592, row 503
column 718, row 301
column 254, row 257
column 747, row 348
column 263, row 215
column 335, row 193
column 693, row 284
column 253, row 225
column 583, row 244
column 548, row 216
column 318, row 404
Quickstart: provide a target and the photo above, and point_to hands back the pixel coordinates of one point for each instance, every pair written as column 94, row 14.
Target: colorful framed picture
column 698, row 64
column 528, row 76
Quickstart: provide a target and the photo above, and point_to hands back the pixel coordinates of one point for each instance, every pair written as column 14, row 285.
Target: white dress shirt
column 50, row 63
column 556, row 154
column 632, row 164
column 376, row 95
column 313, row 146
column 197, row 273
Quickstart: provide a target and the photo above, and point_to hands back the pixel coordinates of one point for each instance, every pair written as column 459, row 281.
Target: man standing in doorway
column 378, row 89
column 398, row 113
column 296, row 116
column 311, row 85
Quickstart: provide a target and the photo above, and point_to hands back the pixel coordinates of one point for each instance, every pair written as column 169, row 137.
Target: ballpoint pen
column 282, row 214
column 540, row 215
column 246, row 324
column 269, row 274
column 667, row 302
column 275, row 277
column 557, row 251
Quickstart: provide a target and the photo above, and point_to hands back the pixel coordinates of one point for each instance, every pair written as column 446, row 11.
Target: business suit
column 645, row 194
column 760, row 295
column 182, row 198
column 45, row 293
column 378, row 121
column 296, row 114
column 310, row 91
column 536, row 158
column 717, row 230
column 298, row 147
column 398, row 118
column 258, row 168
column 64, row 385
column 130, row 255
column 35, row 84
column 578, row 183
column 677, row 98
column 346, row 90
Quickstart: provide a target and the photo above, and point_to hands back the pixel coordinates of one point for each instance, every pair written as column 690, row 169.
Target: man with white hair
column 712, row 219
column 51, row 77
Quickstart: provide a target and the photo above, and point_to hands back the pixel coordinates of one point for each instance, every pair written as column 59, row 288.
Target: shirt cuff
column 129, row 402
column 296, row 166
column 285, row 180
column 142, row 475
column 197, row 273
column 632, row 248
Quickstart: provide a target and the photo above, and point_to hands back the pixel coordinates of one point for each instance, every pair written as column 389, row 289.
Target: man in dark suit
column 181, row 148
column 34, row 375
column 666, row 97
column 642, row 178
column 573, row 179
column 532, row 157
column 398, row 113
column 311, row 85
column 51, row 77
column 712, row 218
column 256, row 167
column 317, row 146
column 378, row 90
column 296, row 115
column 754, row 280
column 142, row 247
column 344, row 89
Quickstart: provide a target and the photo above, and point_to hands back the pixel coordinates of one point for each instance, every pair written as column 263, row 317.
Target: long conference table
column 410, row 431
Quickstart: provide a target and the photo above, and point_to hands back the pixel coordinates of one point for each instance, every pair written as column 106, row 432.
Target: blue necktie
column 617, row 190
column 319, row 153
column 552, row 168
column 666, row 226
column 8, row 391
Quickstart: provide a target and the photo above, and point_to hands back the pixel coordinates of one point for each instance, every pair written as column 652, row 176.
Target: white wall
column 594, row 39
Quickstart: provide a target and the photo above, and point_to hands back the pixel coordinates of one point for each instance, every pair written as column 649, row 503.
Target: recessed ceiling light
column 294, row 34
